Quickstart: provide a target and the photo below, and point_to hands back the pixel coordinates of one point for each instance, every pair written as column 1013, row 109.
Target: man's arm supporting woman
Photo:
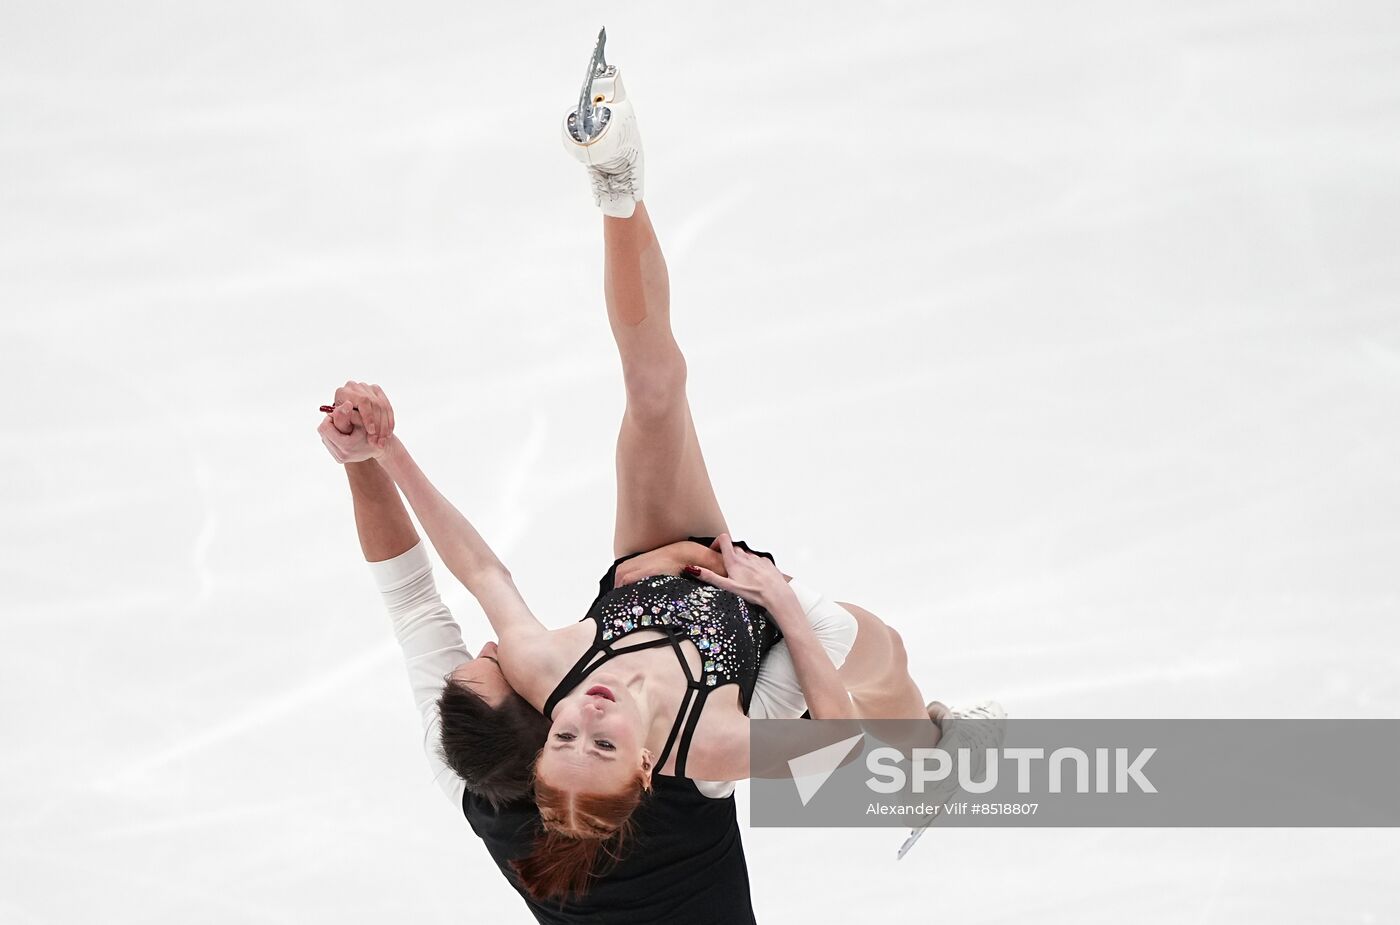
column 423, row 626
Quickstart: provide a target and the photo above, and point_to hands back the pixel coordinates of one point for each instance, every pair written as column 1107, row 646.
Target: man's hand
column 668, row 560
column 346, row 447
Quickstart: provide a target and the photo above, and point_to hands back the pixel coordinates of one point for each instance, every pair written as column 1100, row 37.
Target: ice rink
column 1065, row 337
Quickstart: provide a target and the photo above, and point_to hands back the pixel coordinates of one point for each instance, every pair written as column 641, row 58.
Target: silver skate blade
column 914, row 836
column 597, row 66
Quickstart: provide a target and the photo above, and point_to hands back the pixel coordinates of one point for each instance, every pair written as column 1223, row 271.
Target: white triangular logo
column 812, row 770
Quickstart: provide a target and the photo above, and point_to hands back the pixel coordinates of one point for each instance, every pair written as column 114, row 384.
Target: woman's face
column 596, row 740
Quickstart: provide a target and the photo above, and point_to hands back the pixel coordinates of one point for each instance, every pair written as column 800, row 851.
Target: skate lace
column 614, row 179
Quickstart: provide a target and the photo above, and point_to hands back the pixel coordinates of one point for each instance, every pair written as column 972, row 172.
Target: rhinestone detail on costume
column 732, row 636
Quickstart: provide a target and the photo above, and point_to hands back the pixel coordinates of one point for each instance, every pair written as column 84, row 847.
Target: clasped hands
column 359, row 424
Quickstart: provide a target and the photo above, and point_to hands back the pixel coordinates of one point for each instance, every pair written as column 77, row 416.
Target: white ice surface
column 1064, row 336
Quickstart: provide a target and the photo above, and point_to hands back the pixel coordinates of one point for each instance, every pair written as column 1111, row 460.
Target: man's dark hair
column 492, row 749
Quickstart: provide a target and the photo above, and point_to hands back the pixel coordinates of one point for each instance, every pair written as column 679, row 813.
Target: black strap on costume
column 688, row 716
column 689, row 713
column 585, row 666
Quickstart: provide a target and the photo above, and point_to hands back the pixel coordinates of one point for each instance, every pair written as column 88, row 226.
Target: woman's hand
column 754, row 578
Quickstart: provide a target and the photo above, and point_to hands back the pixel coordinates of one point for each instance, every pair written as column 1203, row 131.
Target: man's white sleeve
column 432, row 646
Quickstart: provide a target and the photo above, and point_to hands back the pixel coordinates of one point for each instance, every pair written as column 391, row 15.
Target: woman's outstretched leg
column 663, row 487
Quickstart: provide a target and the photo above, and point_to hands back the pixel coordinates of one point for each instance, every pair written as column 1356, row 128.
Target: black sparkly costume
column 731, row 635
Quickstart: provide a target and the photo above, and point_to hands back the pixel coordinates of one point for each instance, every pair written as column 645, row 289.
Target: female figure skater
column 659, row 677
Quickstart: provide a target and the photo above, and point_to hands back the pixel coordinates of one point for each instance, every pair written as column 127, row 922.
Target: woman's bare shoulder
column 534, row 663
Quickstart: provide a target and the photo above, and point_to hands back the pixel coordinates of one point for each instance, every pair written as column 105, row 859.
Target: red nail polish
column 692, row 571
column 328, row 408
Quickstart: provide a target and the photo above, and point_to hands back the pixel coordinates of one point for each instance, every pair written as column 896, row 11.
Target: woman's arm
column 460, row 546
column 723, row 754
column 758, row 581
column 827, row 697
column 721, row 749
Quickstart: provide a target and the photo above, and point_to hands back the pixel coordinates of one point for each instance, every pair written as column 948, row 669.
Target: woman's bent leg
column 876, row 673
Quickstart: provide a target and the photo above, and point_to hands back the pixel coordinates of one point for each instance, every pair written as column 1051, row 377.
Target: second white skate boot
column 601, row 132
column 977, row 728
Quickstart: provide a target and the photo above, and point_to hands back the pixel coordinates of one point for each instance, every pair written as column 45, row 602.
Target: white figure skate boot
column 601, row 132
column 986, row 730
